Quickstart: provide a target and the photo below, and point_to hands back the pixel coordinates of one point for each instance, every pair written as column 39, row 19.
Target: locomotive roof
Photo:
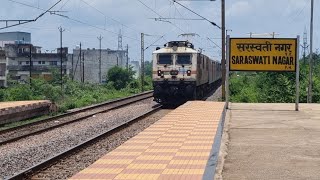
column 179, row 44
column 177, row 47
column 179, row 50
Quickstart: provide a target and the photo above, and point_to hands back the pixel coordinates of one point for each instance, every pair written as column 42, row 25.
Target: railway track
column 20, row 132
column 62, row 162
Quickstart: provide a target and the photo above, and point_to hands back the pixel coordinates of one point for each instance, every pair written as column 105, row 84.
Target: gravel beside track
column 27, row 152
column 67, row 167
column 215, row 95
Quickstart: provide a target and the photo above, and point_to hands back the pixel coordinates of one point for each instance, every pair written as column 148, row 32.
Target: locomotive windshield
column 164, row 59
column 183, row 59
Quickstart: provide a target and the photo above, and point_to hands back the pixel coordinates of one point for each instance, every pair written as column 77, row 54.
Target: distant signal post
column 263, row 54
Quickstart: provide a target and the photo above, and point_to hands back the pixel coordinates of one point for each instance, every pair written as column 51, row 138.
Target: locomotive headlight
column 159, row 73
column 189, row 73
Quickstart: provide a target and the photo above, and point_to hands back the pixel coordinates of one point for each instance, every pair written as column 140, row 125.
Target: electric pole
column 100, row 38
column 61, row 79
column 127, row 56
column 310, row 60
column 80, row 63
column 72, row 76
column 120, row 40
column 223, row 61
column 30, row 64
column 83, row 67
column 142, row 62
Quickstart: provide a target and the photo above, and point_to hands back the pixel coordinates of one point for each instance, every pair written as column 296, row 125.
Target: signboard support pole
column 297, row 75
column 227, row 72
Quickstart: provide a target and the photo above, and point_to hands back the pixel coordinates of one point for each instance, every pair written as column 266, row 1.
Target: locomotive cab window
column 183, row 59
column 164, row 59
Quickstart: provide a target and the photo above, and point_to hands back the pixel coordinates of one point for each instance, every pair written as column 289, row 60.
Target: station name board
column 257, row 54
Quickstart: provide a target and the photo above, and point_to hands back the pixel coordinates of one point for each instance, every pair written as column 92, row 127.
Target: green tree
column 275, row 87
column 148, row 68
column 120, row 77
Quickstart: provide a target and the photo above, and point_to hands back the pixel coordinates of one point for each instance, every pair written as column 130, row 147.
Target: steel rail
column 24, row 174
column 143, row 95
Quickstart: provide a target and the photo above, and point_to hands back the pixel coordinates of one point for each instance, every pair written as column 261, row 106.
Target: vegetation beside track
column 75, row 94
column 275, row 87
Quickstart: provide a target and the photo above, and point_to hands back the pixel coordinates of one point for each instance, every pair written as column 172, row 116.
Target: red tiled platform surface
column 176, row 147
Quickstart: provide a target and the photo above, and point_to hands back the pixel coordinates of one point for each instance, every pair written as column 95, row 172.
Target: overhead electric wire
column 160, row 15
column 81, row 22
column 45, row 11
column 84, row 23
column 214, row 43
column 298, row 14
column 149, row 8
column 109, row 16
column 154, row 42
column 213, row 23
column 21, row 3
column 185, row 19
column 26, row 21
column 64, row 4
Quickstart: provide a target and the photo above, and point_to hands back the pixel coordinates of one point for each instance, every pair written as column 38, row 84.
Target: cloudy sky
column 85, row 20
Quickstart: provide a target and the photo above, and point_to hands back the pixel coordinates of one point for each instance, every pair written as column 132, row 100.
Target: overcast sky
column 87, row 19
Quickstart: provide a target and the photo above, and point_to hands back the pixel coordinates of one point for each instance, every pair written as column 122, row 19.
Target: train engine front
column 174, row 72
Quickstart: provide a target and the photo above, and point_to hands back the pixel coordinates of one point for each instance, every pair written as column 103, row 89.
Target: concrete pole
column 30, row 64
column 100, row 38
column 310, row 60
column 227, row 74
column 223, row 46
column 127, row 58
column 61, row 70
column 297, row 75
column 142, row 62
column 83, row 67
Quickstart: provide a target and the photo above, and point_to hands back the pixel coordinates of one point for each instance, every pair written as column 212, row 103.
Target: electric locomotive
column 181, row 73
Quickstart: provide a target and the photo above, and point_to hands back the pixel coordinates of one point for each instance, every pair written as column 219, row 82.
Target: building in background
column 90, row 63
column 42, row 64
column 15, row 61
column 3, row 69
column 14, row 38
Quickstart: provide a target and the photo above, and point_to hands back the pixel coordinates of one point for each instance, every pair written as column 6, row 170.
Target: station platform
column 182, row 145
column 17, row 110
column 271, row 141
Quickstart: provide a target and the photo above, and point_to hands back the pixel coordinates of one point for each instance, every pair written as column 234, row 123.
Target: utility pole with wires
column 309, row 99
column 61, row 69
column 120, row 40
column 30, row 64
column 223, row 44
column 100, row 38
column 80, row 63
column 72, row 69
column 127, row 56
column 142, row 62
column 83, row 67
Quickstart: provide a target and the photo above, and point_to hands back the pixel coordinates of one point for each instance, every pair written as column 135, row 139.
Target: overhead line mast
column 100, row 38
column 61, row 69
column 310, row 60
